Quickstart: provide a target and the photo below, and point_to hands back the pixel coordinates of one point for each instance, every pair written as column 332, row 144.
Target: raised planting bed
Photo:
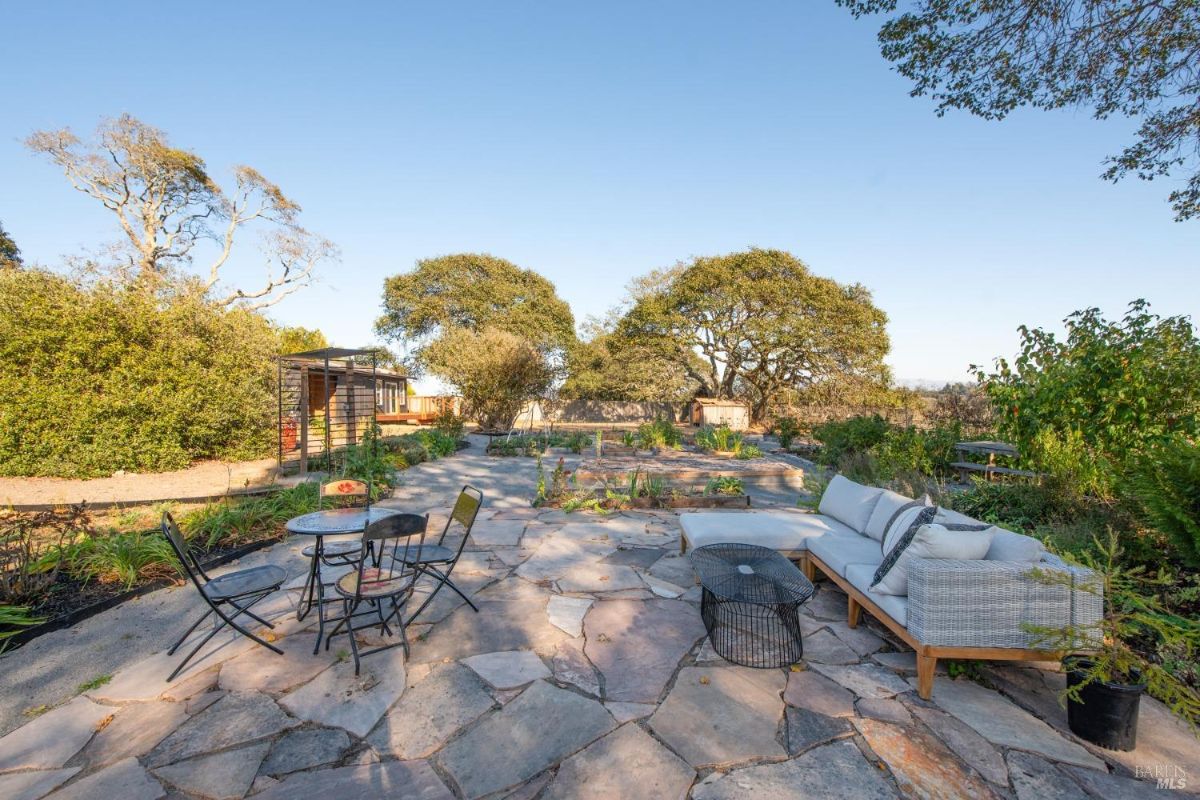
column 603, row 499
column 690, row 469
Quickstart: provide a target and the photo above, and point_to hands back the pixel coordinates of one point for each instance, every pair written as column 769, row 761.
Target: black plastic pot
column 1106, row 713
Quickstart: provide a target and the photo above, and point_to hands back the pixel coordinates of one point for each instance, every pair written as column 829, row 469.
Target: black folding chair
column 384, row 576
column 237, row 590
column 436, row 560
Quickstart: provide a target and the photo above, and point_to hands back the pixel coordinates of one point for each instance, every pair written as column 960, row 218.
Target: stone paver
column 624, row 712
column 487, row 533
column 836, row 770
column 815, row 692
column 637, row 645
column 1116, row 787
column 865, row 680
column 1035, row 778
column 903, row 663
column 861, row 640
column 966, row 743
column 147, row 679
column 431, row 711
column 234, row 719
column 806, row 729
column 134, row 731
column 827, row 604
column 339, row 699
column 922, row 766
column 33, row 785
column 567, row 613
column 508, row 670
column 642, row 557
column 499, row 625
column 220, row 776
column 304, row 749
column 50, row 740
column 722, row 715
column 825, row 648
column 627, row 764
column 599, row 578
column 884, row 710
column 410, row 780
column 557, row 555
column 531, row 733
column 264, row 671
column 125, row 779
column 570, row 665
column 1001, row 722
column 663, row 588
column 674, row 569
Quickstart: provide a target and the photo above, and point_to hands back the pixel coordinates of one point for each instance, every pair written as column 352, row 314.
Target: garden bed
column 607, row 500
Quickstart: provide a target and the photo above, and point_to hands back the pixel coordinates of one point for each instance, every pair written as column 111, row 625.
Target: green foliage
column 1164, row 485
column 100, row 378
column 235, row 522
column 854, row 435
column 1116, row 386
column 124, row 558
column 1070, row 468
column 629, row 438
column 749, row 451
column 576, row 441
column 495, row 371
column 10, row 254
column 724, row 484
column 659, row 433
column 541, row 496
column 1133, row 611
column 12, row 619
column 449, row 424
column 1131, row 58
column 720, row 438
column 370, row 461
column 30, row 548
column 929, row 452
column 300, row 340
column 786, row 430
column 473, row 292
column 94, row 683
column 760, row 323
column 605, row 366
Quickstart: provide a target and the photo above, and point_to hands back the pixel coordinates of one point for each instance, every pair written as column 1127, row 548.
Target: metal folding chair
column 234, row 590
column 437, row 561
column 384, row 577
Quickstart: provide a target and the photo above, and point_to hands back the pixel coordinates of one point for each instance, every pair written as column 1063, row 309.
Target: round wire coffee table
column 751, row 603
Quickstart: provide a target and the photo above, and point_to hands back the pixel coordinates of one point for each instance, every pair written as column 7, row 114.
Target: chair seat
column 428, row 554
column 245, row 581
column 340, row 549
column 376, row 583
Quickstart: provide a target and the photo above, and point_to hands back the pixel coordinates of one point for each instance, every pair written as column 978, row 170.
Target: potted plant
column 1106, row 674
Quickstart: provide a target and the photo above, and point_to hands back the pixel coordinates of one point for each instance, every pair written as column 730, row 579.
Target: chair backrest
column 191, row 567
column 405, row 533
column 346, row 489
column 466, row 509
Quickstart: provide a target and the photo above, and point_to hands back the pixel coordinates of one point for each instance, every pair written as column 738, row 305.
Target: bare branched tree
column 166, row 203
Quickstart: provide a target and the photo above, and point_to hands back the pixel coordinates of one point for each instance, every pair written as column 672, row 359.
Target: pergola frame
column 340, row 429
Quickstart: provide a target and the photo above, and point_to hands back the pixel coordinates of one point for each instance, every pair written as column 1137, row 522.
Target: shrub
column 660, row 433
column 231, row 523
column 930, row 452
column 721, row 438
column 449, row 424
column 99, row 378
column 786, row 430
column 31, row 544
column 1070, row 467
column 1165, row 485
column 854, row 435
column 724, row 484
column 749, row 451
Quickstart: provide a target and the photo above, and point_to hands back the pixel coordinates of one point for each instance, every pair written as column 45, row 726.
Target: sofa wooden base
column 927, row 654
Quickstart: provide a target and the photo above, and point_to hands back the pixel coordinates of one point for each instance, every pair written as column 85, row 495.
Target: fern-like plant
column 1165, row 484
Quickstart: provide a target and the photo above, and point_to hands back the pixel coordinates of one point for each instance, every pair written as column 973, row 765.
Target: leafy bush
column 449, row 424
column 1165, row 485
column 123, row 558
column 1117, row 385
column 30, row 548
column 854, row 435
column 910, row 449
column 99, row 378
column 1070, row 467
column 725, row 484
column 578, row 440
column 749, row 451
column 721, row 438
column 660, row 433
column 786, row 430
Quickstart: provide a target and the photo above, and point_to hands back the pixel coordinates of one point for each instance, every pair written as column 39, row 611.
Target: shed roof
column 331, row 352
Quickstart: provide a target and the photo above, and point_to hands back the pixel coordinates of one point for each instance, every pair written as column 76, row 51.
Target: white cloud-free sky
column 596, row 142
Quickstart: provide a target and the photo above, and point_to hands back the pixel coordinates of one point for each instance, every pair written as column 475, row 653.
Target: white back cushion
column 1009, row 546
column 934, row 541
column 848, row 502
column 889, row 503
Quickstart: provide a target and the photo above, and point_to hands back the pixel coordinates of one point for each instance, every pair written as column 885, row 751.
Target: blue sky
column 596, row 142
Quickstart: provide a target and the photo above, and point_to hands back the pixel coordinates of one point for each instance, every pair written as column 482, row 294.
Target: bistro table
column 751, row 603
column 319, row 524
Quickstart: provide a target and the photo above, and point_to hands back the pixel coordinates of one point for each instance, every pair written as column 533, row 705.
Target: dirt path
column 205, row 479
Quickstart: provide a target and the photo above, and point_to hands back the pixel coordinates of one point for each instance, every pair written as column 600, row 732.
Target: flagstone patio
column 585, row 674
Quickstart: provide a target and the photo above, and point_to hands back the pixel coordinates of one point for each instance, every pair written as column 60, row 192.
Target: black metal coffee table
column 751, row 603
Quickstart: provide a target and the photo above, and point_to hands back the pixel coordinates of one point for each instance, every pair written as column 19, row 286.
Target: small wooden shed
column 714, row 411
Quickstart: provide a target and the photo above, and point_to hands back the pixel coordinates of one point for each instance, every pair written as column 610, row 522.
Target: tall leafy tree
column 166, row 203
column 474, row 291
column 1134, row 58
column 756, row 323
column 10, row 254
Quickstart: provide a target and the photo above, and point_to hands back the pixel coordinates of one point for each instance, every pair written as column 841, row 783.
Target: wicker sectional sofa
column 974, row 608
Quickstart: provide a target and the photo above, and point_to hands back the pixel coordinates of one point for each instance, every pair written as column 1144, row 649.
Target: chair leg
column 350, row 609
column 188, row 632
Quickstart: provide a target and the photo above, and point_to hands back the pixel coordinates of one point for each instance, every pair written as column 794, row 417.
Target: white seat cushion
column 838, row 552
column 895, row 606
column 848, row 502
column 778, row 530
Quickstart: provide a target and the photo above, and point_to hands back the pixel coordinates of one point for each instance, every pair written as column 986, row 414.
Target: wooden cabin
column 713, row 411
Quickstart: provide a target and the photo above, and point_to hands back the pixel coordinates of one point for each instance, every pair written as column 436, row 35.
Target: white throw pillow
column 848, row 502
column 901, row 521
column 889, row 503
column 1009, row 546
column 930, row 541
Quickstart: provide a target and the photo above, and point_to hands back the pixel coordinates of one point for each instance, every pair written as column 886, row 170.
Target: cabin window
column 388, row 397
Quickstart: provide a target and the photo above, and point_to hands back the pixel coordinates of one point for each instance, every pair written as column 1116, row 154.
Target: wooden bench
column 990, row 471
